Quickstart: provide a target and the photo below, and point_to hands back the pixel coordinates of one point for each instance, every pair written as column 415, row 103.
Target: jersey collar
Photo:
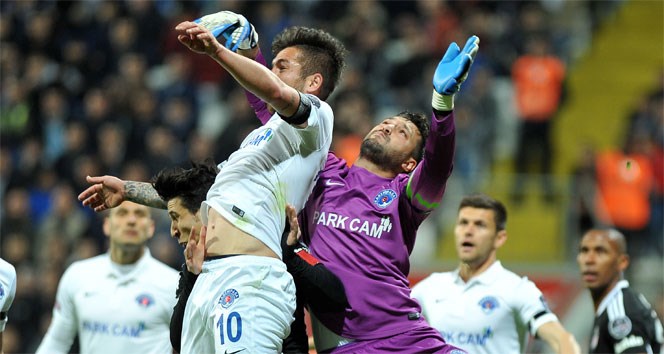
column 489, row 276
column 135, row 272
column 616, row 289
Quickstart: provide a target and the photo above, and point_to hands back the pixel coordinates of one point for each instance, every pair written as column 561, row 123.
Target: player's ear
column 409, row 165
column 501, row 238
column 313, row 83
column 623, row 262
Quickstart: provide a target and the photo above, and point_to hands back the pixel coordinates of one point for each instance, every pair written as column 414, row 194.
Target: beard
column 376, row 153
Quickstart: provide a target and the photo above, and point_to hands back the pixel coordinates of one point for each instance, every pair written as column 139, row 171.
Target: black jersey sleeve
column 316, row 285
column 185, row 285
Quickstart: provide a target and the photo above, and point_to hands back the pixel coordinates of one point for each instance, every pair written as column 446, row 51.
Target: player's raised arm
column 427, row 182
column 248, row 73
column 107, row 192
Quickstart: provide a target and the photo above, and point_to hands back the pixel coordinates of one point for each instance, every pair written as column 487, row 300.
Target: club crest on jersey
column 488, row 304
column 144, row 300
column 228, row 298
column 385, row 198
column 620, row 327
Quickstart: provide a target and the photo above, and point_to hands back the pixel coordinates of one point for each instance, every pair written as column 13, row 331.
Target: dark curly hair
column 421, row 121
column 191, row 185
column 323, row 53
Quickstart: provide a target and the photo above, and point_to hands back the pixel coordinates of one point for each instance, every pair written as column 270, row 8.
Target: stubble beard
column 376, row 153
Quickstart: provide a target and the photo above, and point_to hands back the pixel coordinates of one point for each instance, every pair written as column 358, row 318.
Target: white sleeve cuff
column 442, row 102
column 535, row 323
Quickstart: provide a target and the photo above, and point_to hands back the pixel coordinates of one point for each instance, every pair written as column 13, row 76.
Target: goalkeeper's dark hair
column 322, row 53
column 421, row 121
column 190, row 185
column 483, row 201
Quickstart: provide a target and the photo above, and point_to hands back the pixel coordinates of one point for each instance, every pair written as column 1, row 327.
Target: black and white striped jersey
column 626, row 323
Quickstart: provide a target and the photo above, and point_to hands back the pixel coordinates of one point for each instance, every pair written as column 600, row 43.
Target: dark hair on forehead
column 422, row 123
column 190, row 185
column 483, row 201
column 321, row 53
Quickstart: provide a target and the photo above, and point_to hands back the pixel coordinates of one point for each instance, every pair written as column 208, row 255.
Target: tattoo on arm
column 143, row 193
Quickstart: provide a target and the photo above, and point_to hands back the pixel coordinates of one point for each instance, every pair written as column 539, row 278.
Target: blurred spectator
column 625, row 181
column 15, row 123
column 111, row 147
column 538, row 81
column 16, row 217
column 53, row 115
column 352, row 121
column 66, row 219
column 162, row 149
column 583, row 193
column 76, row 144
column 475, row 114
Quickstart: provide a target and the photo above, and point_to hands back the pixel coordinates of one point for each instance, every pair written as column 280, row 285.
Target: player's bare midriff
column 224, row 238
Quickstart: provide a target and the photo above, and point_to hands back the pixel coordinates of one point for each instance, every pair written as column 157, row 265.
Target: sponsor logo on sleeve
column 314, row 100
column 620, row 327
column 228, row 297
column 260, row 137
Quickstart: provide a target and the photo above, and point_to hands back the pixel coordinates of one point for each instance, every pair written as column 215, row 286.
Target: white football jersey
column 275, row 164
column 7, row 290
column 489, row 314
column 113, row 308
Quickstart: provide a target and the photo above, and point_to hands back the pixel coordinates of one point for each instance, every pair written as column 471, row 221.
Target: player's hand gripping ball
column 231, row 29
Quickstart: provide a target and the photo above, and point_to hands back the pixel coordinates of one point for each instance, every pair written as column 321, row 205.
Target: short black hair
column 323, row 53
column 421, row 121
column 483, row 201
column 191, row 185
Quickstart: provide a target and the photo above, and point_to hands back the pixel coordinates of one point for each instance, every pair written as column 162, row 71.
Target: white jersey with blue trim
column 7, row 290
column 276, row 164
column 488, row 314
column 113, row 308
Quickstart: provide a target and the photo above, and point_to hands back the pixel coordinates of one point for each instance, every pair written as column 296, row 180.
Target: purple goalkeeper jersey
column 363, row 228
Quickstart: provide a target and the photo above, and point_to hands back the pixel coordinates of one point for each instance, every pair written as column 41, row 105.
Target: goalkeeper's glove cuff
column 251, row 41
column 442, row 102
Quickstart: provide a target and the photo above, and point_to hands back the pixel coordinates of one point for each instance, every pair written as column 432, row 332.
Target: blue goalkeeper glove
column 231, row 29
column 451, row 72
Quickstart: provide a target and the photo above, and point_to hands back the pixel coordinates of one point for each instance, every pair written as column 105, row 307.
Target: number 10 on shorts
column 233, row 327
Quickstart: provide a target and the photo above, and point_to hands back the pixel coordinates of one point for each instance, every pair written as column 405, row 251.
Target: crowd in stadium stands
column 103, row 87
